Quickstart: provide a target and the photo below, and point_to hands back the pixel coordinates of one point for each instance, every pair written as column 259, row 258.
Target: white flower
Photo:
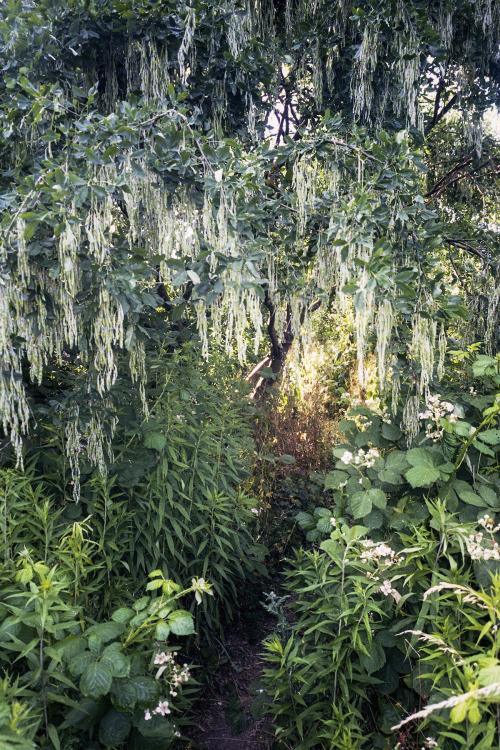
column 200, row 586
column 162, row 708
column 218, row 175
column 347, row 457
column 333, row 521
column 386, row 588
column 147, row 715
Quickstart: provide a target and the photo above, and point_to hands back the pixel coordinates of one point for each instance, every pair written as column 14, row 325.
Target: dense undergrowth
column 391, row 595
column 380, row 552
column 99, row 595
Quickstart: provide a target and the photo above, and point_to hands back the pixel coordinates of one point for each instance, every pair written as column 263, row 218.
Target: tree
column 142, row 184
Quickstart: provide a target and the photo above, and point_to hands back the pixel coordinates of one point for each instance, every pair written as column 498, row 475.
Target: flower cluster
column 161, row 709
column 361, row 458
column 476, row 547
column 436, row 409
column 386, row 588
column 489, row 524
column 163, row 658
column 379, row 553
column 180, row 675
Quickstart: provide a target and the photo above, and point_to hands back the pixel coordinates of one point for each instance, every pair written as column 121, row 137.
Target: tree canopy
column 230, row 166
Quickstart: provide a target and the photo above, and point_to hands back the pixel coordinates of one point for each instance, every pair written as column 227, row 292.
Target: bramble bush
column 397, row 607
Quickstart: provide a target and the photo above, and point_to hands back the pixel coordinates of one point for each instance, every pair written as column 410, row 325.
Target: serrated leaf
column 181, row 622
column 396, row 461
column 162, row 631
column 156, row 584
column 95, row 643
column 123, row 694
column 391, row 431
column 378, row 498
column 391, row 477
column 155, row 440
column 492, row 437
column 96, row 680
column 305, row 520
column 71, row 646
column 107, row 630
column 114, row 728
column 375, row 659
column 422, row 476
column 122, row 615
column 79, row 663
column 147, row 691
column 334, row 479
column 117, row 663
column 324, row 525
column 488, row 676
column 423, row 457
column 361, row 504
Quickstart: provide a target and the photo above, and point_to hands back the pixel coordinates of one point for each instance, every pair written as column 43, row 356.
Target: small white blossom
column 386, row 588
column 162, row 708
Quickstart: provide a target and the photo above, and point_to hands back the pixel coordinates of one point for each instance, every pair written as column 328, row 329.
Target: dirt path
column 224, row 720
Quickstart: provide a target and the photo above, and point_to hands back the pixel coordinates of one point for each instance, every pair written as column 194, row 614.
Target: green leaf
column 122, row 615
column 492, row 437
column 467, row 494
column 80, row 662
column 107, row 630
column 378, row 498
column 162, row 631
column 96, row 680
column 123, row 694
column 396, row 461
column 488, row 676
column 181, row 622
column 375, row 659
column 114, row 728
column 95, row 643
column 361, row 504
column 156, row 584
column 54, row 736
column 137, row 169
column 391, row 431
column 422, row 476
column 155, row 440
column 334, row 479
column 422, row 457
column 117, row 663
column 71, row 646
column 147, row 691
column 390, row 477
column 324, row 525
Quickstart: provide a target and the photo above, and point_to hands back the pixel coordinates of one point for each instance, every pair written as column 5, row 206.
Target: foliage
column 151, row 218
column 121, row 119
column 94, row 676
column 379, row 600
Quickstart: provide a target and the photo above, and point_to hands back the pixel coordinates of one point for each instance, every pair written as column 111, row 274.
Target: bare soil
column 240, row 665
